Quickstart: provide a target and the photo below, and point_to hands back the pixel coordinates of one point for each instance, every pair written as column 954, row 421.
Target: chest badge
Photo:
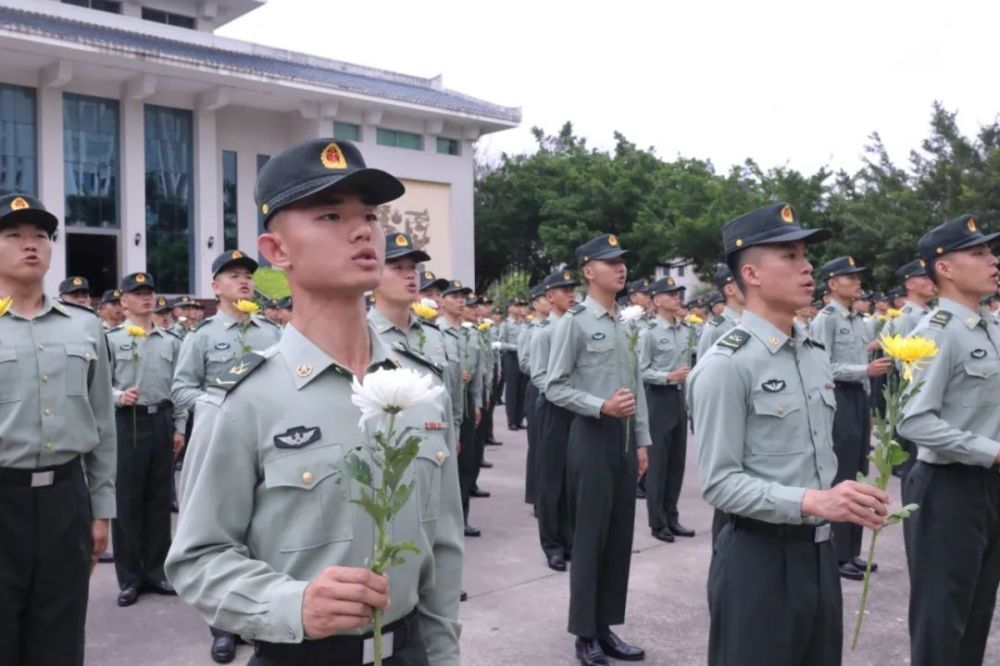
column 222, row 345
column 297, row 437
column 845, row 331
column 125, row 347
column 978, row 353
column 598, row 336
column 773, row 385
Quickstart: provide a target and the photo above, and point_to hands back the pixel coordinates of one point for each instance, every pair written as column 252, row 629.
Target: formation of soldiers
column 778, row 382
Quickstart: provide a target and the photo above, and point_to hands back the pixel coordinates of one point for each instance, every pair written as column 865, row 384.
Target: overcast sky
column 795, row 83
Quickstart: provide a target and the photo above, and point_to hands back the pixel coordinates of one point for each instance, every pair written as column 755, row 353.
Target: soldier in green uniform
column 510, row 330
column 953, row 540
column 184, row 312
column 210, row 350
column 150, row 432
column 110, row 309
column 842, row 333
column 285, row 306
column 268, row 544
column 162, row 313
column 541, row 307
column 485, row 309
column 718, row 325
column 431, row 287
column 638, row 294
column 762, row 402
column 57, row 461
column 665, row 347
column 593, row 373
column 470, row 321
column 920, row 291
column 76, row 290
column 552, row 501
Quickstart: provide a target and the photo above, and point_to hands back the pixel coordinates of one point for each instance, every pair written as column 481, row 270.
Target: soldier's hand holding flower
column 342, row 598
column 621, row 405
column 848, row 502
column 679, row 375
column 129, row 397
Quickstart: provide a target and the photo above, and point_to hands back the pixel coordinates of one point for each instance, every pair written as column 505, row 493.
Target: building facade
column 144, row 132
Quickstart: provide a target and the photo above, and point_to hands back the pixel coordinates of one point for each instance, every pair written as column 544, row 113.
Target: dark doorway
column 95, row 257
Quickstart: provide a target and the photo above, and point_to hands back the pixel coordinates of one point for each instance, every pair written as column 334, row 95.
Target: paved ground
column 516, row 613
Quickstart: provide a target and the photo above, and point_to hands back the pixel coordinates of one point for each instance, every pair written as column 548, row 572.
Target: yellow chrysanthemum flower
column 910, row 352
column 5, row 304
column 484, row 326
column 247, row 307
column 881, row 318
column 136, row 331
column 892, row 313
column 423, row 311
column 694, row 320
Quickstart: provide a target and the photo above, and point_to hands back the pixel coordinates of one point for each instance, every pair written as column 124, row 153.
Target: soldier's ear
column 273, row 247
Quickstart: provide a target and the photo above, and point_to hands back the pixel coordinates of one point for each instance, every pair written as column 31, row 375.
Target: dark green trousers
column 552, row 501
column 851, row 428
column 667, row 455
column 531, row 468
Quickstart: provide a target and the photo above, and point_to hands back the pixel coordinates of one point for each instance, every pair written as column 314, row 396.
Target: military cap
column 723, row 276
column 232, row 258
column 879, row 296
column 162, row 305
column 455, row 287
column 369, row 301
column 639, row 286
column 696, row 302
column 111, row 296
column 839, row 266
column 24, row 209
column 713, row 298
column 285, row 303
column 135, row 281
column 772, row 224
column 73, row 284
column 601, row 248
column 915, row 268
column 559, row 279
column 485, row 300
column 312, row 166
column 271, row 304
column 428, row 280
column 958, row 234
column 896, row 292
column 183, row 301
column 471, row 298
column 989, row 298
column 665, row 285
column 399, row 246
column 537, row 291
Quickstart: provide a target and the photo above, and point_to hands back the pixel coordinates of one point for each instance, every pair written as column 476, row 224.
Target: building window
column 399, row 139
column 261, row 161
column 177, row 20
column 169, row 198
column 680, row 270
column 17, row 140
column 102, row 5
column 229, row 216
column 346, row 131
column 90, row 161
column 447, row 146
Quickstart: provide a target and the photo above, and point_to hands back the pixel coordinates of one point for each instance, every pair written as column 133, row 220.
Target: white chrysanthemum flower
column 386, row 392
column 467, row 324
column 496, row 346
column 631, row 313
column 429, row 303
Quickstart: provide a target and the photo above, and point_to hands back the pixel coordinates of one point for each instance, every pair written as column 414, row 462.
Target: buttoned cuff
column 102, row 505
column 984, row 451
column 117, row 396
column 592, row 404
column 788, row 504
column 285, row 612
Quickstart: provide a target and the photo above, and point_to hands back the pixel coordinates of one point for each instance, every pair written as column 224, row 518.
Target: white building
column 144, row 131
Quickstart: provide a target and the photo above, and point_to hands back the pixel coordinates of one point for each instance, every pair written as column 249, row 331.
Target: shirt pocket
column 78, row 360
column 981, row 385
column 776, row 427
column 596, row 353
column 304, row 485
column 427, row 467
column 10, row 376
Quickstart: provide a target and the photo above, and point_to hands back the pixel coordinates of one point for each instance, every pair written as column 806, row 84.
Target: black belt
column 805, row 533
column 665, row 388
column 150, row 410
column 849, row 385
column 39, row 478
column 341, row 650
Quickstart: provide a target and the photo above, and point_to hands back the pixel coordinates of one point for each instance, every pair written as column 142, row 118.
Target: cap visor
column 808, row 235
column 375, row 186
column 40, row 218
column 416, row 255
column 440, row 283
column 982, row 240
column 244, row 261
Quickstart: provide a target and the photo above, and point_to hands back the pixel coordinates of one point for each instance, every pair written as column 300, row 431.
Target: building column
column 51, row 186
column 207, row 200
column 132, row 180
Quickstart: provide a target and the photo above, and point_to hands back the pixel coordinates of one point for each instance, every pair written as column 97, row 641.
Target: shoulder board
column 78, row 307
column 201, row 323
column 430, row 324
column 116, row 328
column 400, row 348
column 829, row 310
column 544, row 322
column 651, row 324
column 734, row 339
column 814, row 343
column 717, row 320
column 169, row 332
column 576, row 309
column 941, row 318
column 264, row 320
column 239, row 371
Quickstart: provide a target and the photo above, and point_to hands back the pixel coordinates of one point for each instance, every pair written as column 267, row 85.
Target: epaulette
column 941, row 318
column 116, row 328
column 717, row 320
column 201, row 323
column 544, row 322
column 264, row 319
column 815, row 343
column 576, row 309
column 829, row 310
column 169, row 332
column 78, row 307
column 429, row 324
column 734, row 339
column 244, row 365
column 651, row 324
column 419, row 358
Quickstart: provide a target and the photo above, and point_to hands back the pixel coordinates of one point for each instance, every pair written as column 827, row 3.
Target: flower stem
column 864, row 590
column 381, row 530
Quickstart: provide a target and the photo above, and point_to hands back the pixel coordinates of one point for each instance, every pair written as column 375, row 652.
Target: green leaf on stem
column 367, row 501
column 398, row 500
column 901, row 514
column 355, row 468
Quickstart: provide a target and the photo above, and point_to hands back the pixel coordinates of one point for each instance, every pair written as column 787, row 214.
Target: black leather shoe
column 679, row 530
column 105, row 558
column 128, row 596
column 862, row 564
column 174, row 508
column 619, row 649
column 493, row 442
column 160, row 587
column 464, row 596
column 486, row 464
column 589, row 652
column 476, row 492
column 663, row 535
column 851, row 572
column 471, row 531
column 223, row 648
column 556, row 562
column 512, row 426
column 640, row 493
column 521, row 426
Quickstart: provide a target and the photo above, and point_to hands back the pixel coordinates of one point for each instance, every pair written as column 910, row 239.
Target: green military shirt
column 152, row 359
column 524, row 346
column 263, row 514
column 905, row 323
column 664, row 348
column 762, row 404
column 210, row 349
column 55, row 396
column 954, row 418
column 463, row 343
column 590, row 359
column 715, row 328
column 843, row 335
column 180, row 330
column 510, row 329
column 541, row 343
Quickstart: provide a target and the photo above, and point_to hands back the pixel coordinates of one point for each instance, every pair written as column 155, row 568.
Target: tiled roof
column 296, row 67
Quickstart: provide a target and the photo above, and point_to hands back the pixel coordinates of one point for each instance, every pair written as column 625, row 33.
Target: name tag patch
column 978, row 353
column 222, row 345
column 773, row 385
column 297, row 437
column 598, row 336
column 845, row 331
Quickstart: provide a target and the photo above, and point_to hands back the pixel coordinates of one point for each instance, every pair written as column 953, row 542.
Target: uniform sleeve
column 209, row 563
column 539, row 356
column 189, row 377
column 719, row 408
column 563, row 351
column 646, row 351
column 180, row 414
column 642, row 436
column 116, row 394
column 824, row 329
column 101, row 462
column 523, row 351
column 706, row 340
column 921, row 420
